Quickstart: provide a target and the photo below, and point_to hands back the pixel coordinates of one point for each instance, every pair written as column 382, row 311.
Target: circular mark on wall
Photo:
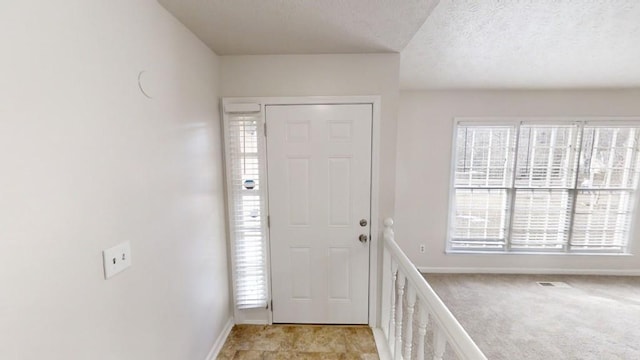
column 144, row 84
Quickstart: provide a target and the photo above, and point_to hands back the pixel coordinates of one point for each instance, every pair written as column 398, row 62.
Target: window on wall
column 543, row 187
column 246, row 202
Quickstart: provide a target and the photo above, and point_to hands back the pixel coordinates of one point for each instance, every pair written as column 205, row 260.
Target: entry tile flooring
column 266, row 342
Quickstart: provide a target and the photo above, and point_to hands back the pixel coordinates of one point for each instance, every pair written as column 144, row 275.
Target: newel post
column 388, row 228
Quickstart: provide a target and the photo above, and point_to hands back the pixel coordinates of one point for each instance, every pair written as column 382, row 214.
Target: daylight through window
column 544, row 187
column 246, row 203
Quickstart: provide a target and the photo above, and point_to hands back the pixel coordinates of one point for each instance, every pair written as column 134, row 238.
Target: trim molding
column 533, row 271
column 219, row 343
column 254, row 322
column 376, row 245
column 381, row 344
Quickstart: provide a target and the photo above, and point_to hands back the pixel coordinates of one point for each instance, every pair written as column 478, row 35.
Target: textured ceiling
column 526, row 44
column 463, row 44
column 246, row 27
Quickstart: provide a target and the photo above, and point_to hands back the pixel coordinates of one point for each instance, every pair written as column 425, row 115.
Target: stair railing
column 423, row 332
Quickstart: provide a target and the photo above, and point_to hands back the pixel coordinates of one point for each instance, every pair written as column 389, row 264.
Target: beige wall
column 425, row 125
column 328, row 75
column 86, row 162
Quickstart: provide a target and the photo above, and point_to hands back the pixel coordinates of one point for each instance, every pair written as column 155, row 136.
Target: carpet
column 513, row 317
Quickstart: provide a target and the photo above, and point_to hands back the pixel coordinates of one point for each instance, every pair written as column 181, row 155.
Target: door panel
column 319, row 170
column 298, row 191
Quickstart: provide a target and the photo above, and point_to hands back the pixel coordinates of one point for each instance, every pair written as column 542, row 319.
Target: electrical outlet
column 423, row 249
column 116, row 259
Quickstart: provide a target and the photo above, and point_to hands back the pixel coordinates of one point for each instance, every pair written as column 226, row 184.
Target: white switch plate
column 116, row 259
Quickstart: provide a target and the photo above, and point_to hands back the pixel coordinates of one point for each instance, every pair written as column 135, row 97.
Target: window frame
column 515, row 123
column 255, row 110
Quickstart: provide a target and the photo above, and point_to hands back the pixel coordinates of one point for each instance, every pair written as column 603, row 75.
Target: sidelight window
column 246, row 202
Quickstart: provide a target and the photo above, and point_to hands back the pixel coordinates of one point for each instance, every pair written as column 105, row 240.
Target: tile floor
column 299, row 342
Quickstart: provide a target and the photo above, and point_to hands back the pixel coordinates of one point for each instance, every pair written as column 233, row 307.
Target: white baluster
column 399, row 305
column 391, row 338
column 392, row 318
column 423, row 316
column 408, row 336
column 402, row 291
column 385, row 291
column 439, row 343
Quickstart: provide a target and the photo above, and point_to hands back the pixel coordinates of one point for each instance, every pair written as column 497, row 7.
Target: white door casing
column 319, row 171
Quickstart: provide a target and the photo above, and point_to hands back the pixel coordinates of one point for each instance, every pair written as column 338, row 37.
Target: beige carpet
column 511, row 317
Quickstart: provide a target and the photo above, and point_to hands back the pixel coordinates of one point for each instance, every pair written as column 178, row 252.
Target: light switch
column 116, row 259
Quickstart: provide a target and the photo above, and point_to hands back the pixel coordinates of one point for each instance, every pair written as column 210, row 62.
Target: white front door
column 319, row 172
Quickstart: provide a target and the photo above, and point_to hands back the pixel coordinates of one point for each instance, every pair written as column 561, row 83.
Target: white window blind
column 607, row 181
column 481, row 183
column 560, row 187
column 247, row 208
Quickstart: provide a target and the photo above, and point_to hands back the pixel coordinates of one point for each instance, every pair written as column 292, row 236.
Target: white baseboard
column 253, row 322
column 381, row 344
column 219, row 343
column 524, row 271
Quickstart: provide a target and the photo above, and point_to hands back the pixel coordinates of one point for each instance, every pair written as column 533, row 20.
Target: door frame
column 265, row 316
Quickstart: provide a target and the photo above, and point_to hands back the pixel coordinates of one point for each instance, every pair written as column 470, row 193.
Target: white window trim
column 264, row 316
column 226, row 111
column 621, row 121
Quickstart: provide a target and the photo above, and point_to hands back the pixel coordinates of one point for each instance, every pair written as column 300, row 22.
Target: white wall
column 326, row 75
column 425, row 125
column 86, row 161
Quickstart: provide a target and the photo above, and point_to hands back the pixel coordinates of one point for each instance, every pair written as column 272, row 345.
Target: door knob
column 363, row 222
column 363, row 238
